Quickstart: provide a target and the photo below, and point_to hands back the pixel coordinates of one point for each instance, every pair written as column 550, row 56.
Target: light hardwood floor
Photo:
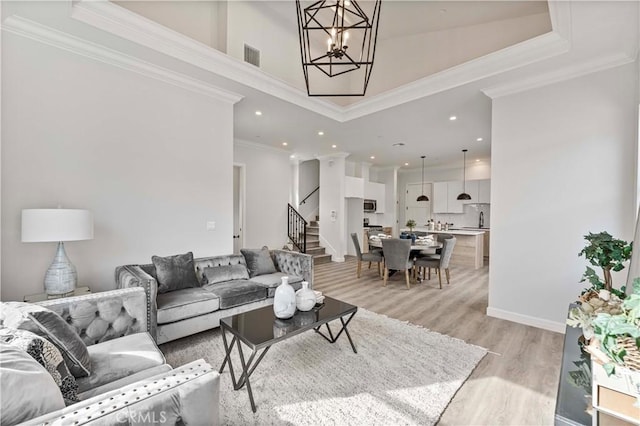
column 515, row 384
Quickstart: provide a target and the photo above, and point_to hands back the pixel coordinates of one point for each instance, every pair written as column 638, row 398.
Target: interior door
column 420, row 211
column 238, row 196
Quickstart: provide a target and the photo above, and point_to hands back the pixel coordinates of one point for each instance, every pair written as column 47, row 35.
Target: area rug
column 402, row 374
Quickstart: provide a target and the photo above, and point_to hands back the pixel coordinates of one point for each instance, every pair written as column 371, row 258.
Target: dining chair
column 366, row 257
column 396, row 256
column 439, row 262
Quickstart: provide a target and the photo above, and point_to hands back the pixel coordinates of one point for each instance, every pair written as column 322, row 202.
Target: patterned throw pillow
column 259, row 261
column 48, row 356
column 48, row 324
column 175, row 272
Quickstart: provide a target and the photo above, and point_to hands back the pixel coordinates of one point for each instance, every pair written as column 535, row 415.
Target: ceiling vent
column 252, row 55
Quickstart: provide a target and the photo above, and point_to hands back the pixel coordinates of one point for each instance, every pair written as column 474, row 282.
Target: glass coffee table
column 259, row 329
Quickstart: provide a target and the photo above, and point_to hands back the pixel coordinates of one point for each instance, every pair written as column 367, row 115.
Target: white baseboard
column 336, row 258
column 558, row 327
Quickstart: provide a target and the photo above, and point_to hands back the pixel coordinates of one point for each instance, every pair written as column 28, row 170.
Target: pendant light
column 464, row 195
column 422, row 197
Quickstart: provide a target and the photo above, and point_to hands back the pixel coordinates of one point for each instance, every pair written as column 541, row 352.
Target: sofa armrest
column 188, row 395
column 102, row 316
column 128, row 276
column 294, row 263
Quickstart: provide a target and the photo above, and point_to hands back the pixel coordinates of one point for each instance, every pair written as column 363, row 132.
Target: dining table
column 377, row 242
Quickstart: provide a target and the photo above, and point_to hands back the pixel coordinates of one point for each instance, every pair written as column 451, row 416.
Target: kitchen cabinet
column 445, row 196
column 353, row 187
column 471, row 188
column 484, row 191
column 376, row 191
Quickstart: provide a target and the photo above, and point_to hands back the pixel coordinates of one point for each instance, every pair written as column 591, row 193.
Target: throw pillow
column 48, row 324
column 24, row 379
column 48, row 356
column 259, row 261
column 175, row 272
column 219, row 274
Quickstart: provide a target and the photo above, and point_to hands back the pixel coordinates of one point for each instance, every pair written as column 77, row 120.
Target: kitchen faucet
column 481, row 220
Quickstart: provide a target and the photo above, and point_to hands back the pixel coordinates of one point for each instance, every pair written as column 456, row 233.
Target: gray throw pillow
column 47, row 355
column 259, row 261
column 48, row 324
column 219, row 274
column 175, row 272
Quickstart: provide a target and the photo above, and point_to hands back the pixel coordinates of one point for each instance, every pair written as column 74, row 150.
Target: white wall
column 268, row 174
column 150, row 160
column 333, row 233
column 563, row 161
column 309, row 179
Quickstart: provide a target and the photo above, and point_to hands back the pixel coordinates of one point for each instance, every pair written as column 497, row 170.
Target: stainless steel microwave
column 370, row 206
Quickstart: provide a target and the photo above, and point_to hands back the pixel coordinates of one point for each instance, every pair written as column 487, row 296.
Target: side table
column 40, row 297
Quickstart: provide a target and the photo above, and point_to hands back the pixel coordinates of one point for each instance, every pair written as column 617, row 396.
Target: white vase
column 305, row 298
column 284, row 300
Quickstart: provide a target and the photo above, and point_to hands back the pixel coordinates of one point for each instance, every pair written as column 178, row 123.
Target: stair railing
column 304, row 200
column 297, row 229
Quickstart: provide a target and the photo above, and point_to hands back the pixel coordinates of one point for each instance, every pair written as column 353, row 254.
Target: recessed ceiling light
column 292, row 156
column 320, row 133
column 258, row 112
column 453, row 117
column 284, row 144
column 477, row 160
column 479, row 139
column 406, row 164
column 373, row 157
column 334, row 146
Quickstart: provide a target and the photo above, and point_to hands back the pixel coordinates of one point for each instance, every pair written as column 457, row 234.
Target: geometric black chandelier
column 337, row 45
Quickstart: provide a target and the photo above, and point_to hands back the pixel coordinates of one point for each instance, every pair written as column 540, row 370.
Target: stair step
column 320, row 259
column 313, row 243
column 312, row 229
column 314, row 223
column 315, row 250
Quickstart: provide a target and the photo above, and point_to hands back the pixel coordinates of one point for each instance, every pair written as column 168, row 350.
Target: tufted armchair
column 180, row 313
column 129, row 382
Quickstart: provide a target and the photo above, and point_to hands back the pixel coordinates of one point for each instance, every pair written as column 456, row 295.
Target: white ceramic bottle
column 305, row 298
column 284, row 300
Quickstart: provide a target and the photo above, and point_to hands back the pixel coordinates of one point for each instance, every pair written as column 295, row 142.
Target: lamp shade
column 42, row 225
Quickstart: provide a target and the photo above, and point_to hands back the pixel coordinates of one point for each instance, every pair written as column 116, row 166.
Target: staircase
column 313, row 244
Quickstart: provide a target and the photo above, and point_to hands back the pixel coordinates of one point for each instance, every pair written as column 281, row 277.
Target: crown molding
column 562, row 74
column 41, row 33
column 117, row 20
column 124, row 23
column 527, row 52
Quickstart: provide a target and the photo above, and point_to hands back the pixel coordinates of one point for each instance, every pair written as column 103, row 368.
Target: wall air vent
column 252, row 55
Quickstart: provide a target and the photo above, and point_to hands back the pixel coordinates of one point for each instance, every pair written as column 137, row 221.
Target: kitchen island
column 469, row 249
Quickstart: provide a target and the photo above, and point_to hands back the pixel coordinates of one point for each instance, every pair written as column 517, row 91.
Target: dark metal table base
column 249, row 366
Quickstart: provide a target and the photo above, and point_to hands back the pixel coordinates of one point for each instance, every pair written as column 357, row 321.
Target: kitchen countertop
column 451, row 231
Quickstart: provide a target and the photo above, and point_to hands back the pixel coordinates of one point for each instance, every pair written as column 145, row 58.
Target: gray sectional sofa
column 226, row 285
column 128, row 381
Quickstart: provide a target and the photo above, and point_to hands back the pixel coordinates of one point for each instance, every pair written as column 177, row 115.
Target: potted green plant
column 410, row 224
column 608, row 253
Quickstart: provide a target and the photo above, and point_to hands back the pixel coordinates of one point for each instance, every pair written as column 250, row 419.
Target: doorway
column 238, row 206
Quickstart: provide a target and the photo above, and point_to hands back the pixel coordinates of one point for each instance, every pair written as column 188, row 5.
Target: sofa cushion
column 259, row 261
column 175, row 272
column 24, row 379
column 48, row 324
column 271, row 281
column 124, row 381
column 118, row 358
column 186, row 303
column 237, row 292
column 219, row 274
column 48, row 356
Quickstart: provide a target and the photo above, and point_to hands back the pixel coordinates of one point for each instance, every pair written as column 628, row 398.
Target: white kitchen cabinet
column 353, row 187
column 376, row 191
column 445, row 196
column 471, row 188
column 484, row 191
column 454, row 188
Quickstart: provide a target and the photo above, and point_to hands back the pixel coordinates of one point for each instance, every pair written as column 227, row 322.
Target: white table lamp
column 44, row 225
